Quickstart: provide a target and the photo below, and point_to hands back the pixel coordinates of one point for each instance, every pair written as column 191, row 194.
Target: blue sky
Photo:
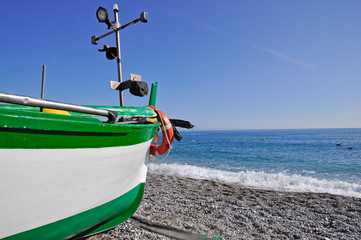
column 235, row 64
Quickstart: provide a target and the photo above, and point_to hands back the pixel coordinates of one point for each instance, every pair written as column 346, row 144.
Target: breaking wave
column 261, row 180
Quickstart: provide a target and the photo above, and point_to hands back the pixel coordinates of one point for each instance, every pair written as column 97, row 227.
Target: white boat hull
column 42, row 186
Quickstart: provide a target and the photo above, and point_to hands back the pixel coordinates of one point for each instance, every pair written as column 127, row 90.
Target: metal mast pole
column 42, row 85
column 43, row 82
column 117, row 24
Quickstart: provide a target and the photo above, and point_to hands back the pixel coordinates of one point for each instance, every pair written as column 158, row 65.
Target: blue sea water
column 306, row 160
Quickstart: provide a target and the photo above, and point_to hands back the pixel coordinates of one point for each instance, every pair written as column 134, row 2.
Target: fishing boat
column 68, row 171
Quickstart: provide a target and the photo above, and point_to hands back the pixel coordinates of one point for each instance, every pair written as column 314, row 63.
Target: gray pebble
column 234, row 212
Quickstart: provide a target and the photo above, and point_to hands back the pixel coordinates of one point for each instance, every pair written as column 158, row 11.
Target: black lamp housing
column 144, row 17
column 103, row 16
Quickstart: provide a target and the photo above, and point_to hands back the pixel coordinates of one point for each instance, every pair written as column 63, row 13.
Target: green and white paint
column 61, row 176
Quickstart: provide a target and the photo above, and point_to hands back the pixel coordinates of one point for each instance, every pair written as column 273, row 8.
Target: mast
column 103, row 16
column 117, row 25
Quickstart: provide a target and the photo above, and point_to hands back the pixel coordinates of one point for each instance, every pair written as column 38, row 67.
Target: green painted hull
column 26, row 129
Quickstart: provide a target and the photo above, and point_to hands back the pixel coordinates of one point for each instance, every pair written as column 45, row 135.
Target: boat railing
column 36, row 102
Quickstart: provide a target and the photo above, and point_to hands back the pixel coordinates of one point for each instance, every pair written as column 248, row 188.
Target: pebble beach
column 228, row 211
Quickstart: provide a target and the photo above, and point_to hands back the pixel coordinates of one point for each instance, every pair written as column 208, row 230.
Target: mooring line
column 168, row 231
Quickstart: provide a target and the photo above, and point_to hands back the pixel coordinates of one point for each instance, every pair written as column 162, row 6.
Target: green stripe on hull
column 27, row 128
column 102, row 217
column 134, row 135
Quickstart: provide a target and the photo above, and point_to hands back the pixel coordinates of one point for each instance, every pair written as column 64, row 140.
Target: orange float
column 167, row 133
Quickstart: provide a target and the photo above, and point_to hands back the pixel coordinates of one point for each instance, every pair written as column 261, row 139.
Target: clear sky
column 230, row 64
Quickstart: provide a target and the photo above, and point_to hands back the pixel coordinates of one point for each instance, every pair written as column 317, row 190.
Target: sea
column 302, row 160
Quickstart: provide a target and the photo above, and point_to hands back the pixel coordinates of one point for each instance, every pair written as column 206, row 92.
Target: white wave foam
column 261, row 180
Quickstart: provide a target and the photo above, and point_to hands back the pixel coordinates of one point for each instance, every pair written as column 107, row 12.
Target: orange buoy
column 167, row 133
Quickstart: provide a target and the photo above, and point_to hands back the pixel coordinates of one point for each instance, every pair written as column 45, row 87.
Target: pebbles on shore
column 234, row 212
